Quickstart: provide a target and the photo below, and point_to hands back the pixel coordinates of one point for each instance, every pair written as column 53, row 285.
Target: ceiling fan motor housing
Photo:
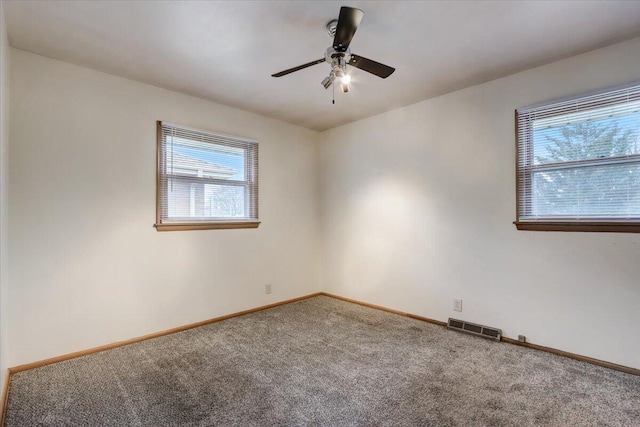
column 338, row 60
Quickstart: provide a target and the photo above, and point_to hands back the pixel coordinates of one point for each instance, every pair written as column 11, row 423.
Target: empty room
column 320, row 213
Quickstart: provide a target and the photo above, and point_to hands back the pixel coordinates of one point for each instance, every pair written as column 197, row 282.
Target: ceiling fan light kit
column 339, row 54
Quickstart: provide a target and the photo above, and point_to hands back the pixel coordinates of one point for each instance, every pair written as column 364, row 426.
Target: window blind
column 578, row 159
column 205, row 179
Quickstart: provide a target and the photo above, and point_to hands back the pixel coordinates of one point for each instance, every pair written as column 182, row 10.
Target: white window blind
column 578, row 160
column 205, row 180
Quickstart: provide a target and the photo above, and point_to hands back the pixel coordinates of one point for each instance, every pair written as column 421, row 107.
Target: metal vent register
column 475, row 329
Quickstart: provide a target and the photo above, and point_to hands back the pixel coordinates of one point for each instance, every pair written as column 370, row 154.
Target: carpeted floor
column 323, row 362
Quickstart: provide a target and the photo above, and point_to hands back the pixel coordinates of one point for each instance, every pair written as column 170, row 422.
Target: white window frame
column 166, row 223
column 525, row 167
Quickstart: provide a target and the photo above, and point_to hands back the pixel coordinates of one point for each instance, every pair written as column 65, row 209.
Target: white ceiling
column 226, row 51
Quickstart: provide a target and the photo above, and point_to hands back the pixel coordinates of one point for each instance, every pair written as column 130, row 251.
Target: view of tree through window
column 588, row 189
column 579, row 160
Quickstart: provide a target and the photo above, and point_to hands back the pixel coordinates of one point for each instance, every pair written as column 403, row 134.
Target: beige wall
column 4, row 175
column 88, row 268
column 418, row 205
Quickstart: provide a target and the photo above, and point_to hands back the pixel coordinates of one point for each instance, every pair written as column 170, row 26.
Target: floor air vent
column 475, row 329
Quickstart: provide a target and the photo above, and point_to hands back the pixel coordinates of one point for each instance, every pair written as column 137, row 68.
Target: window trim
column 195, row 224
column 523, row 173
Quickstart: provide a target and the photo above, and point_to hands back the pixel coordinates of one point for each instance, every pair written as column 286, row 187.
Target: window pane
column 223, row 201
column 587, row 136
column 205, row 160
column 595, row 191
column 202, row 201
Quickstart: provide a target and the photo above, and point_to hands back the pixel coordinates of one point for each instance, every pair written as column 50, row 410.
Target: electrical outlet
column 267, row 288
column 457, row 304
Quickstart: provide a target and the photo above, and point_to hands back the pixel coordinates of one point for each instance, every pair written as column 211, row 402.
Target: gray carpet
column 323, row 362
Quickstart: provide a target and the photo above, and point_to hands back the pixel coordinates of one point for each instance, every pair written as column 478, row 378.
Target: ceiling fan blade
column 298, row 68
column 370, row 66
column 348, row 22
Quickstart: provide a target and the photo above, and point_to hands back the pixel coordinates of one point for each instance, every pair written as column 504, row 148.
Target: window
column 578, row 163
column 205, row 180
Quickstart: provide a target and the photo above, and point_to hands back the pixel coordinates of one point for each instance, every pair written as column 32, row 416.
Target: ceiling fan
column 339, row 55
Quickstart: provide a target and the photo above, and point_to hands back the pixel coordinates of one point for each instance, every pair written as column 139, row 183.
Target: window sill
column 600, row 226
column 221, row 225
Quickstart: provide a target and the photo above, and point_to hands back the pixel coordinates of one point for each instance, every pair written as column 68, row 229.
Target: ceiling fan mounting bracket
column 331, row 27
